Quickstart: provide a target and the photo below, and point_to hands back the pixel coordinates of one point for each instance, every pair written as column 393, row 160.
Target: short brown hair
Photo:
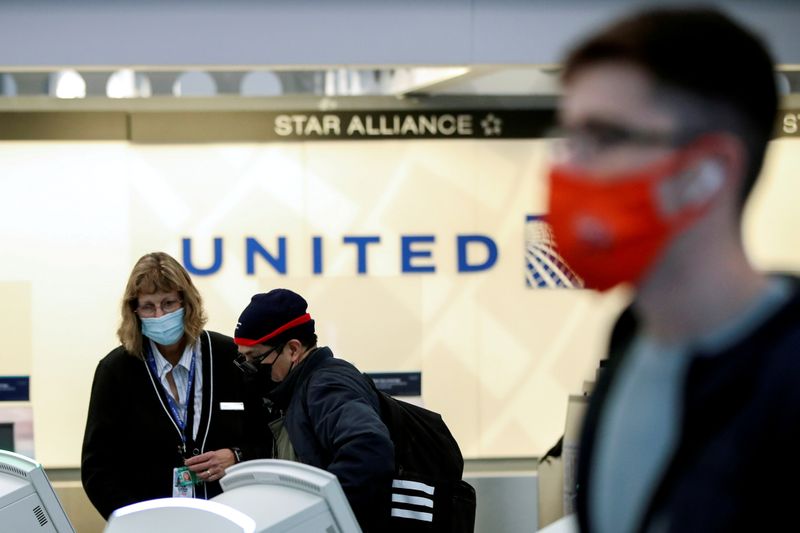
column 702, row 54
column 159, row 272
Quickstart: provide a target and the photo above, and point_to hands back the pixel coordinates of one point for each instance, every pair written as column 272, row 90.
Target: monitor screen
column 27, row 500
column 260, row 496
column 7, row 436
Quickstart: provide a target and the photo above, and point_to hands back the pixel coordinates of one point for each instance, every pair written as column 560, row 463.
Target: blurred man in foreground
column 694, row 426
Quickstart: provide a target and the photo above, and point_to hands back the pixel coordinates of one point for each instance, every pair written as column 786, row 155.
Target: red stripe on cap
column 289, row 325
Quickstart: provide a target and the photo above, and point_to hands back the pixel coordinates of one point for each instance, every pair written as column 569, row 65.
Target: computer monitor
column 179, row 515
column 27, row 500
column 261, row 496
column 287, row 496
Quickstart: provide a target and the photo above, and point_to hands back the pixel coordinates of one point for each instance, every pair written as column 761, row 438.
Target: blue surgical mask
column 164, row 330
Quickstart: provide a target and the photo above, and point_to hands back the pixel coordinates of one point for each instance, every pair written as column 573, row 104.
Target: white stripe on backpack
column 414, row 515
column 412, row 500
column 412, row 485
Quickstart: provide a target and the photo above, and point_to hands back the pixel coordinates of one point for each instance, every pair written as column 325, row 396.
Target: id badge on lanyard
column 183, row 479
column 183, row 482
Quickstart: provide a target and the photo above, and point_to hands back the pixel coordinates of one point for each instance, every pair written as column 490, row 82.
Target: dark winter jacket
column 736, row 464
column 333, row 419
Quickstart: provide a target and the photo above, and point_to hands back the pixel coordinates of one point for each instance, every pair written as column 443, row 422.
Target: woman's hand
column 210, row 466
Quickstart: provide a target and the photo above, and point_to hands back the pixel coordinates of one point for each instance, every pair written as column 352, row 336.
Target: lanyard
column 173, row 407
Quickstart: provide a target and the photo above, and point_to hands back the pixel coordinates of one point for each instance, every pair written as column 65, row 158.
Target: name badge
column 183, row 481
column 231, row 406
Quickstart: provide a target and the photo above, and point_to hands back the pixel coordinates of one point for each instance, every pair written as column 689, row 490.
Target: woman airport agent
column 166, row 415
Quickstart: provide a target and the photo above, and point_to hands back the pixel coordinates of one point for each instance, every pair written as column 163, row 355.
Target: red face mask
column 611, row 230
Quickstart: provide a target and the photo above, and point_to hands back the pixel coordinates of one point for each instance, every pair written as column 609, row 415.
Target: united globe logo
column 544, row 267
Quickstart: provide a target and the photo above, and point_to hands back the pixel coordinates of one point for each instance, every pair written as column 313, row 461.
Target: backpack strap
column 378, row 393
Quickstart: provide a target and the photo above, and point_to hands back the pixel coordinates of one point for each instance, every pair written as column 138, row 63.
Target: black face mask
column 257, row 374
column 265, row 374
column 262, row 379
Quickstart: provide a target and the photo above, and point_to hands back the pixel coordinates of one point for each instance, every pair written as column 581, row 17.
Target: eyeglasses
column 596, row 136
column 250, row 366
column 149, row 310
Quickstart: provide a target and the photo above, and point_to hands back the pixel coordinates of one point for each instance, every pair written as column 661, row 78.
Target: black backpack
column 428, row 493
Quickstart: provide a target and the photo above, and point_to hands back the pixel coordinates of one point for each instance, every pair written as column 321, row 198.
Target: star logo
column 492, row 125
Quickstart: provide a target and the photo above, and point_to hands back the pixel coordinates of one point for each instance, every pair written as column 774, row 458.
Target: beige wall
column 498, row 359
column 16, row 327
column 772, row 219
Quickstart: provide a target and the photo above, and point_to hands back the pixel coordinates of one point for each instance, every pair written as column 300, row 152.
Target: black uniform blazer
column 131, row 445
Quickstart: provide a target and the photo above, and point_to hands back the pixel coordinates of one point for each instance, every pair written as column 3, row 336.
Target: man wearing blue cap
column 327, row 414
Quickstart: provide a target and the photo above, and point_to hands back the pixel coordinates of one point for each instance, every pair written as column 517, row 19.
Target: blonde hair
column 159, row 272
